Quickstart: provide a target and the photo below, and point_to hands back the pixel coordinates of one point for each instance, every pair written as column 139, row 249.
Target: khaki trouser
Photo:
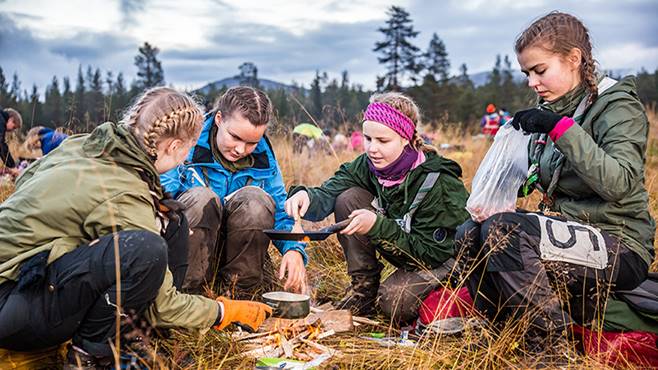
column 227, row 247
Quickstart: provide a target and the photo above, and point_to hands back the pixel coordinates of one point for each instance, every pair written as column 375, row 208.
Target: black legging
column 77, row 296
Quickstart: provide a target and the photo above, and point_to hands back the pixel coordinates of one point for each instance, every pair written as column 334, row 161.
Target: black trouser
column 510, row 275
column 77, row 297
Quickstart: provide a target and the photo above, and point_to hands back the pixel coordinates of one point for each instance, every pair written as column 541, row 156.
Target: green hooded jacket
column 602, row 179
column 431, row 240
column 89, row 187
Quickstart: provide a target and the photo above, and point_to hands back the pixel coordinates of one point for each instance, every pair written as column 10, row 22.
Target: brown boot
column 360, row 297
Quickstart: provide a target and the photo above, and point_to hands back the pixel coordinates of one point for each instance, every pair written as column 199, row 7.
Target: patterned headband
column 390, row 117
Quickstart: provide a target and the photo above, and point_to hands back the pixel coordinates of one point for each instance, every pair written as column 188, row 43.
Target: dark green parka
column 602, row 179
column 433, row 225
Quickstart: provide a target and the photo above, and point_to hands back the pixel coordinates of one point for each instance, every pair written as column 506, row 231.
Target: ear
column 218, row 118
column 575, row 57
column 173, row 146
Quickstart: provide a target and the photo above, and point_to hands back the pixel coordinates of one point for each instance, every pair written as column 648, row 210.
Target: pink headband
column 390, row 117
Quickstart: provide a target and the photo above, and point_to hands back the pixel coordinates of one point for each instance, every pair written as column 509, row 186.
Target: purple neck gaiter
column 399, row 168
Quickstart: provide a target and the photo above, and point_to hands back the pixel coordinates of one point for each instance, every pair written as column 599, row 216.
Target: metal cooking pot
column 287, row 305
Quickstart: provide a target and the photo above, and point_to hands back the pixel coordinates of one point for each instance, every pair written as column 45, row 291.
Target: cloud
column 205, row 41
column 277, row 52
column 37, row 60
column 129, row 9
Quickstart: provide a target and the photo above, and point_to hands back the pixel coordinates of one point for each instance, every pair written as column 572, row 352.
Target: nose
column 533, row 81
column 240, row 148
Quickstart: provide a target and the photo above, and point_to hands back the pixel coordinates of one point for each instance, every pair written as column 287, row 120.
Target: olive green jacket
column 602, row 179
column 89, row 187
column 431, row 240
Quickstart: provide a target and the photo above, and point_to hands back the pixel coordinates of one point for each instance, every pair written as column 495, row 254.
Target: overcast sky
column 206, row 40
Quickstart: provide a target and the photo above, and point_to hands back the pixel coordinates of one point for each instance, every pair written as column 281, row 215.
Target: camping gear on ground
column 620, row 349
column 287, row 305
column 308, row 130
column 445, row 311
column 500, row 176
column 321, row 234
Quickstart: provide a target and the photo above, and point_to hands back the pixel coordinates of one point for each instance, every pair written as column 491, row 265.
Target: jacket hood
column 117, row 144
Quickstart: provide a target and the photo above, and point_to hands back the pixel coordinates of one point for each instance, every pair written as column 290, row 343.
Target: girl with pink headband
column 404, row 201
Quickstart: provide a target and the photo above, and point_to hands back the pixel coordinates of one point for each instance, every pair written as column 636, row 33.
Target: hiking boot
column 360, row 298
column 555, row 348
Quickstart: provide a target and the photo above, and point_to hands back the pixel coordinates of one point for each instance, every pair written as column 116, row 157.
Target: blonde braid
column 160, row 113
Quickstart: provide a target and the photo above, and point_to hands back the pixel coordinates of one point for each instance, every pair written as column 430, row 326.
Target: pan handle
column 336, row 227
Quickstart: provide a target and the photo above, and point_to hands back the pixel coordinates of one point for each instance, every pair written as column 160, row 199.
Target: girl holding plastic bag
column 586, row 154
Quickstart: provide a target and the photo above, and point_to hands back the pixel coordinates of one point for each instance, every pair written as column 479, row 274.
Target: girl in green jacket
column 404, row 202
column 96, row 195
column 594, row 234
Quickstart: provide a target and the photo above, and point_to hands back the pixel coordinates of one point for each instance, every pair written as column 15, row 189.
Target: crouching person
column 232, row 188
column 404, row 201
column 59, row 268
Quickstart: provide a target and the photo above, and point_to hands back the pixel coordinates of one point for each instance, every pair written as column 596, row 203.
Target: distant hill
column 264, row 83
column 481, row 78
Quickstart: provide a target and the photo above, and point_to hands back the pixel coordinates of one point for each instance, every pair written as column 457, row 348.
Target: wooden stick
column 327, row 333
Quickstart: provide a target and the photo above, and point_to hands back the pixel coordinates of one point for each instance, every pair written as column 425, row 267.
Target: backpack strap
column 427, row 185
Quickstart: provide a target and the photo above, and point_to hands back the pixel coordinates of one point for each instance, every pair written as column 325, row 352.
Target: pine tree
column 397, row 52
column 80, row 107
column 69, row 101
column 53, row 104
column 4, row 90
column 149, row 68
column 35, row 110
column 15, row 91
column 96, row 103
column 316, row 95
column 436, row 59
column 121, row 97
column 507, row 85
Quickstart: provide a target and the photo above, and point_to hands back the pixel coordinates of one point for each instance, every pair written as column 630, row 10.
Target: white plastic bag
column 500, row 175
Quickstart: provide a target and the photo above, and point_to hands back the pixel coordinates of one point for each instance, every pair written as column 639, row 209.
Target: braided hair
column 408, row 107
column 161, row 113
column 560, row 33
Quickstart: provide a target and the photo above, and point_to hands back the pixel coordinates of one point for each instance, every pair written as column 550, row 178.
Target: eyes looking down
column 549, row 74
column 382, row 145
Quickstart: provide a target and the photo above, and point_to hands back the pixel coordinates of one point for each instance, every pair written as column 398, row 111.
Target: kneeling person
column 232, row 187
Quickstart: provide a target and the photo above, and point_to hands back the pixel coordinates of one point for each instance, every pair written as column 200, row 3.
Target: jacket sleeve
column 323, row 197
column 614, row 162
column 277, row 190
column 433, row 227
column 132, row 211
column 5, row 154
column 172, row 308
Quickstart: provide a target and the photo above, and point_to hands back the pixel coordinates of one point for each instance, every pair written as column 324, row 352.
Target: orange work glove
column 246, row 313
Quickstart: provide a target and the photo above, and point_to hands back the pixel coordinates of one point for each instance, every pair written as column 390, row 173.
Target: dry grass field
column 480, row 348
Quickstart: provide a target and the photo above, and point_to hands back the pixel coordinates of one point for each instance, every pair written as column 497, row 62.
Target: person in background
column 44, row 138
column 10, row 121
column 490, row 122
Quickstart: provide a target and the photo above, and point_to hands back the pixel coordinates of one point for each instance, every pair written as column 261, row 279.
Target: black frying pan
column 321, row 234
